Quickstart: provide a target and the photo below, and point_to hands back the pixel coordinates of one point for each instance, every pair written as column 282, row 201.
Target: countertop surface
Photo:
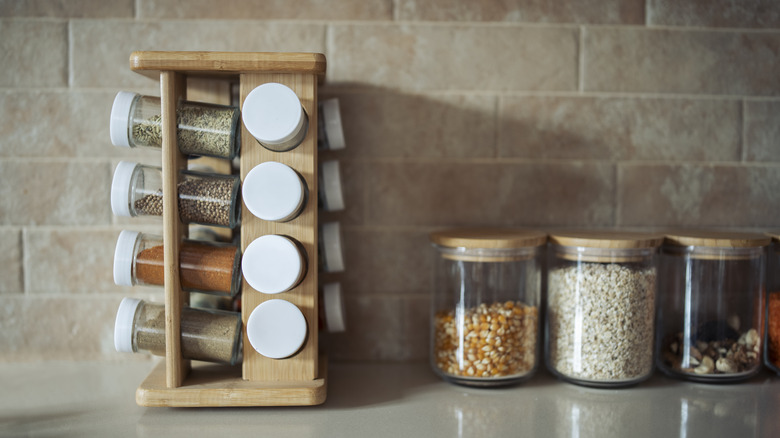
column 397, row 400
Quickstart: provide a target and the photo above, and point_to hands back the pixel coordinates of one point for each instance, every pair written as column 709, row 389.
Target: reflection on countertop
column 383, row 399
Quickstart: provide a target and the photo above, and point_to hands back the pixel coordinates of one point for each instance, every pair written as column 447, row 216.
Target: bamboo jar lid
column 718, row 245
column 488, row 244
column 604, row 246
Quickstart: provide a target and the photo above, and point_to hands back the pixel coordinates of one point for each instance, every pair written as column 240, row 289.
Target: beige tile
column 33, row 53
column 681, row 61
column 269, row 9
column 50, row 192
column 374, row 327
column 68, row 260
column 441, row 57
column 101, row 48
column 620, row 128
column 11, row 261
column 67, row 8
column 762, row 131
column 566, row 11
column 524, row 194
column 386, row 124
column 714, row 13
column 692, row 195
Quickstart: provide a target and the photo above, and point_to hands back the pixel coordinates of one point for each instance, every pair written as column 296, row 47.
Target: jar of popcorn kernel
column 485, row 307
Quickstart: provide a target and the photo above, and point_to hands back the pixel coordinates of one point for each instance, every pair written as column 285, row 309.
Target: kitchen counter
column 397, row 400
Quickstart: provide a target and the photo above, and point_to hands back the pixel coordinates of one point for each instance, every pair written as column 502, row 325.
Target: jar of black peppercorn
column 204, row 198
column 710, row 319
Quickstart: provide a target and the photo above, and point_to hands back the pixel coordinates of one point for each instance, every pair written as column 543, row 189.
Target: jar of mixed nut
column 711, row 316
column 601, row 306
column 772, row 351
column 485, row 313
column 204, row 198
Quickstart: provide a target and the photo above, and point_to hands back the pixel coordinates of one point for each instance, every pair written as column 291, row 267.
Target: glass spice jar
column 207, row 267
column 331, row 257
column 273, row 114
column 331, row 197
column 485, row 308
column 202, row 128
column 601, row 289
column 273, row 264
column 772, row 351
column 710, row 318
column 207, row 335
column 330, row 134
column 276, row 329
column 332, row 316
column 204, row 198
column 273, row 191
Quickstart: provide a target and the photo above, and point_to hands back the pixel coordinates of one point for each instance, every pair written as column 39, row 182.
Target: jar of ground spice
column 711, row 317
column 202, row 128
column 485, row 308
column 204, row 198
column 207, row 267
column 273, row 114
column 601, row 289
column 207, row 335
column 772, row 351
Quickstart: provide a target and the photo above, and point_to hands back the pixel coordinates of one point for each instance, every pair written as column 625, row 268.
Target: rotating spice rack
column 295, row 381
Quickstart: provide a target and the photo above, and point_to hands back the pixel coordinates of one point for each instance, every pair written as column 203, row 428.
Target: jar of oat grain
column 601, row 306
column 204, row 198
column 711, row 315
column 485, row 312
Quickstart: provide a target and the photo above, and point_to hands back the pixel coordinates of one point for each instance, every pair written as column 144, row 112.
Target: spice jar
column 273, row 191
column 330, row 248
column 710, row 318
column 601, row 289
column 202, row 128
column 273, row 114
column 204, row 198
column 331, row 309
column 772, row 352
column 485, row 313
column 331, row 197
column 208, row 267
column 330, row 134
column 273, row 264
column 207, row 335
column 276, row 329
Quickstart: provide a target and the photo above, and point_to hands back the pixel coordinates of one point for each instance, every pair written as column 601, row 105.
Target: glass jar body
column 772, row 351
column 600, row 314
column 207, row 335
column 485, row 315
column 202, row 128
column 710, row 319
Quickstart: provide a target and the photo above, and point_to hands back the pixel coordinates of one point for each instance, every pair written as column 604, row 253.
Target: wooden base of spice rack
column 299, row 380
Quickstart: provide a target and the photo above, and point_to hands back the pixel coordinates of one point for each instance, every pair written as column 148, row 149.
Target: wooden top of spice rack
column 151, row 63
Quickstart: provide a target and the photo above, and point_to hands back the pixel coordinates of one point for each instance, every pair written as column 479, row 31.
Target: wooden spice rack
column 295, row 381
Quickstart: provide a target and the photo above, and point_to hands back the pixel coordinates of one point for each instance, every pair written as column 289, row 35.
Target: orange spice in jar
column 207, row 267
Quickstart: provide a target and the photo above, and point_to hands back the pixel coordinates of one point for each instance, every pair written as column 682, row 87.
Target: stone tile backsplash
column 599, row 113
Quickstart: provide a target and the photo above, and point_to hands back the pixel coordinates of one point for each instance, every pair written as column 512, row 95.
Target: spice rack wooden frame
column 295, row 381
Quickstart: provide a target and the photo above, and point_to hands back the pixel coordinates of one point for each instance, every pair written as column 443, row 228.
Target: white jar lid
column 331, row 185
column 123, row 326
column 273, row 191
column 276, row 329
column 273, row 114
column 272, row 264
column 120, row 118
column 120, row 188
column 331, row 115
column 331, row 247
column 333, row 306
column 123, row 257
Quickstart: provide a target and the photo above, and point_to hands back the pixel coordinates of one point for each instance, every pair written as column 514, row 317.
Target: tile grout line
column 743, row 133
column 581, row 61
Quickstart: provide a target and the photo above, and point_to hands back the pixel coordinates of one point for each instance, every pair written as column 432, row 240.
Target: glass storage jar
column 772, row 351
column 273, row 191
column 273, row 114
column 601, row 290
column 207, row 267
column 276, row 329
column 331, row 197
column 710, row 317
column 207, row 335
column 331, row 257
column 202, row 128
column 330, row 135
column 485, row 312
column 204, row 198
column 273, row 264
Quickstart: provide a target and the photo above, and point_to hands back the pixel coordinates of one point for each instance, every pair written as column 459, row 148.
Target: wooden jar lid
column 487, row 244
column 717, row 239
column 605, row 246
